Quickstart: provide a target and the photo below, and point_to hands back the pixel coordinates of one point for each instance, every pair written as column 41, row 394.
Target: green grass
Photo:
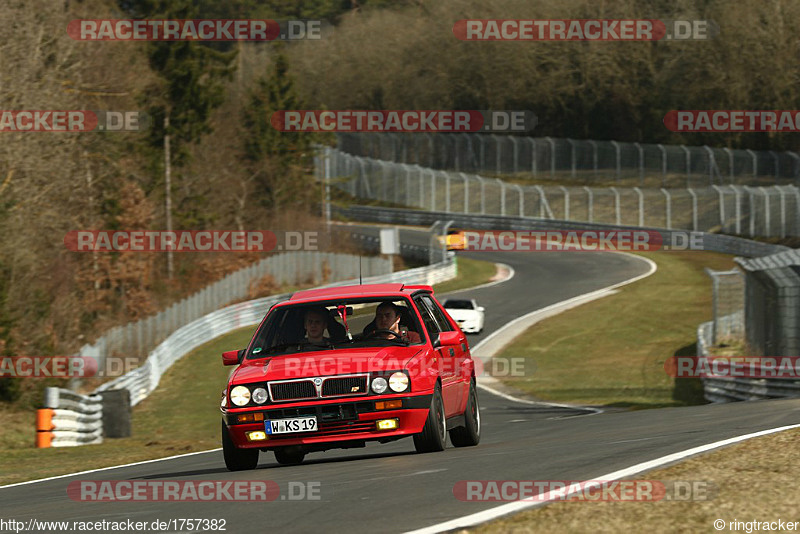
column 471, row 273
column 611, row 352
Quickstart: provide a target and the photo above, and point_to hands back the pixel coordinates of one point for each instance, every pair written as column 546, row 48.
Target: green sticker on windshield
column 256, row 350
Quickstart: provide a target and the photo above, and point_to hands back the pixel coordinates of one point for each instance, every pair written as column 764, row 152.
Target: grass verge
column 181, row 416
column 471, row 273
column 746, row 482
column 611, row 352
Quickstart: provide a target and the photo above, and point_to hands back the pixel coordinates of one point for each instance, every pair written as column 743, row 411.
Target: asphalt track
column 390, row 488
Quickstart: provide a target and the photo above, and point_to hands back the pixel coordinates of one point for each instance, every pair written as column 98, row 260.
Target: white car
column 466, row 313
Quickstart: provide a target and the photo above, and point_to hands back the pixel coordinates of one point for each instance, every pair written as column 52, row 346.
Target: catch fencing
column 546, row 158
column 740, row 210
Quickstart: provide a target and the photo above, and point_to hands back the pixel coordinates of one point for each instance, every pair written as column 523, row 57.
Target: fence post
column 566, row 201
column 777, row 163
column 408, row 184
column 593, row 144
column 433, row 189
column 466, row 191
column 751, row 203
column 521, row 200
column 668, row 206
column 552, row 156
column 481, row 153
column 616, row 205
column 694, row 208
column 590, row 203
column 619, row 159
column 767, row 221
column 641, row 205
column 572, row 157
column 502, row 196
column 711, row 163
column 738, row 209
column 729, row 152
column 533, row 156
column 430, row 149
column 446, row 191
column 515, row 153
column 469, row 149
column 688, row 165
column 663, row 165
column 497, row 153
column 483, row 194
column 721, row 206
column 641, row 162
column 782, row 197
column 755, row 163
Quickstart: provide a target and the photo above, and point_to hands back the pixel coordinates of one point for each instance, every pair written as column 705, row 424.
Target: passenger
column 316, row 320
column 387, row 317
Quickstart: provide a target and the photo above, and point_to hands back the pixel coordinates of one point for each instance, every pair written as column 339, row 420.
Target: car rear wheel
column 290, row 455
column 237, row 459
column 470, row 434
column 433, row 437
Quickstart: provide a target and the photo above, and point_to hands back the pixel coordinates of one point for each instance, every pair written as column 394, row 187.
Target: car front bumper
column 338, row 421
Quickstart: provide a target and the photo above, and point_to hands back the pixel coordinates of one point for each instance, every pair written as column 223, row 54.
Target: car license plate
column 290, row 426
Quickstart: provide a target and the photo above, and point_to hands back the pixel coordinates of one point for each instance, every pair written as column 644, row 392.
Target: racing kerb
column 141, row 381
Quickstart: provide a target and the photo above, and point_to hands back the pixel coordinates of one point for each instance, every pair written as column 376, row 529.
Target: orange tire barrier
column 44, row 428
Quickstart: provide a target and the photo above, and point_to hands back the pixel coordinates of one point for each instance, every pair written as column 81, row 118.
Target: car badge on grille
column 317, row 381
column 354, row 389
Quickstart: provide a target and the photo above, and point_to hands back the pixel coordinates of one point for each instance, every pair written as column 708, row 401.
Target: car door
column 448, row 356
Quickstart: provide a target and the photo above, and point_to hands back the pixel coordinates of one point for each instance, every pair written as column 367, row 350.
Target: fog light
column 258, row 435
column 388, row 405
column 387, row 424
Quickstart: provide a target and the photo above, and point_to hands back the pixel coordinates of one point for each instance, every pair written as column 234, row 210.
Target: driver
column 387, row 317
column 316, row 320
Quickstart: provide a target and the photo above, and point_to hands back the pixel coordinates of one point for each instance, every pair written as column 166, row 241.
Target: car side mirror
column 233, row 357
column 480, row 308
column 445, row 338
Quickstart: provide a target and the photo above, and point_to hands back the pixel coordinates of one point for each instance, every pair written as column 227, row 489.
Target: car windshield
column 290, row 329
column 458, row 304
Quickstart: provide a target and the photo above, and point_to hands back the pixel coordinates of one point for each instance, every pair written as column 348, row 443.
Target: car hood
column 325, row 363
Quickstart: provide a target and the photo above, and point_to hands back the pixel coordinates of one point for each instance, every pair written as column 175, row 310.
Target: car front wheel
column 469, row 434
column 237, row 459
column 433, row 437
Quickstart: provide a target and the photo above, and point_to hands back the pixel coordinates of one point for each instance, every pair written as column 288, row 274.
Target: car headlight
column 379, row 384
column 240, row 395
column 398, row 382
column 260, row 395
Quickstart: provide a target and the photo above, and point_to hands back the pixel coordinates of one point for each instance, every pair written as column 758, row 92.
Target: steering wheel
column 384, row 331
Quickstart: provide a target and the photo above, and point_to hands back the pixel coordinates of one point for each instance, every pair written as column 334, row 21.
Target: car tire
column 237, row 459
column 289, row 455
column 469, row 435
column 433, row 437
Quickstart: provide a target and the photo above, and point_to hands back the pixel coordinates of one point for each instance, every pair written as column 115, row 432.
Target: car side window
column 427, row 318
column 438, row 314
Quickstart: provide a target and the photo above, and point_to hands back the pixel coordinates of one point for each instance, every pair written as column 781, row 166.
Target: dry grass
column 751, row 481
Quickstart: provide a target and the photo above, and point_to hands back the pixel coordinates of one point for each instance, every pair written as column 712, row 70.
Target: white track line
column 506, row 509
column 503, row 336
column 107, row 468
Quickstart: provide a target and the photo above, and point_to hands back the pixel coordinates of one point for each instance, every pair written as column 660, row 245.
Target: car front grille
column 304, row 389
column 294, row 390
column 349, row 385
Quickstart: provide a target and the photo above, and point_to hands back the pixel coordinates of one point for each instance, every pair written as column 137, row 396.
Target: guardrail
column 69, row 419
column 731, row 388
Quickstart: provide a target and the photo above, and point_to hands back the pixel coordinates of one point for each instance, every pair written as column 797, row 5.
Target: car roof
column 364, row 290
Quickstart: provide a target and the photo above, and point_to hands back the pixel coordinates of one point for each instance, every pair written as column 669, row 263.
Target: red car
column 392, row 365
